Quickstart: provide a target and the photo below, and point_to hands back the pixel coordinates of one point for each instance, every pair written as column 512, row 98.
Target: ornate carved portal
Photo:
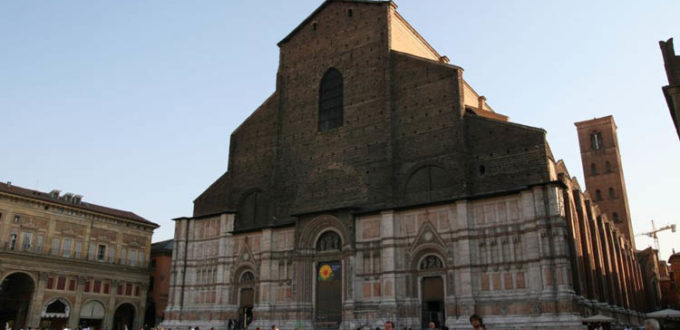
column 246, row 300
column 432, row 301
column 245, row 310
column 432, row 289
column 328, row 311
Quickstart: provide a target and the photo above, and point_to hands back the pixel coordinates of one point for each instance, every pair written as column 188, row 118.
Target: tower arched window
column 331, row 100
column 593, row 169
column 615, row 217
column 596, row 141
column 598, row 195
column 612, row 195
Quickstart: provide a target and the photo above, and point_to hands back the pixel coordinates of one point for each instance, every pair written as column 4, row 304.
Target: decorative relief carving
column 431, row 262
column 328, row 241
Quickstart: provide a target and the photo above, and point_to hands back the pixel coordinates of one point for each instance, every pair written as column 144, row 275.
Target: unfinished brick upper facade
column 423, row 204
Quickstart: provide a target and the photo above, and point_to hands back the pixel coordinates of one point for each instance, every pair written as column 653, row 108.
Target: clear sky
column 131, row 103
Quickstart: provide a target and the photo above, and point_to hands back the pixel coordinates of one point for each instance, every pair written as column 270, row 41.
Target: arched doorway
column 55, row 314
column 246, row 300
column 16, row 292
column 124, row 317
column 92, row 315
column 328, row 302
column 432, row 291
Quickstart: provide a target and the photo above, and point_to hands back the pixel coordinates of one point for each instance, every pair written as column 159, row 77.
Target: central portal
column 433, row 302
column 328, row 295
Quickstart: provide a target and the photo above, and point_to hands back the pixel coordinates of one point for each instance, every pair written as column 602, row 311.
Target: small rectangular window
column 61, row 283
column 66, row 248
column 101, row 252
column 119, row 290
column 112, row 254
column 91, row 251
column 87, row 286
column 26, row 241
column 79, row 249
column 50, row 283
column 72, row 285
column 106, row 288
column 13, row 241
column 55, row 246
column 128, row 289
column 38, row 245
column 132, row 257
column 97, row 286
column 17, row 218
column 137, row 290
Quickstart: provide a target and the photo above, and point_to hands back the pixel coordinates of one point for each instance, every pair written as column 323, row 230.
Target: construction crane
column 652, row 233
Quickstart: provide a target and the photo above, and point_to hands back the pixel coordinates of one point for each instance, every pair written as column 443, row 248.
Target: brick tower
column 603, row 170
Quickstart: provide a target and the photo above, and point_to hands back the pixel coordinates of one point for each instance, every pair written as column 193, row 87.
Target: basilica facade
column 376, row 184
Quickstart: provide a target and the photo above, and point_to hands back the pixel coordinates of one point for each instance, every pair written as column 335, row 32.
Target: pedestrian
column 477, row 322
column 652, row 324
column 389, row 325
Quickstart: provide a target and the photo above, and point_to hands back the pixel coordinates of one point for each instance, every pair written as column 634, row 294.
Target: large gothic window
column 330, row 100
column 253, row 210
column 329, row 241
column 428, row 183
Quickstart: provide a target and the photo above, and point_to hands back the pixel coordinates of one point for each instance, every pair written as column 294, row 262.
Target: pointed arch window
column 331, row 100
column 598, row 195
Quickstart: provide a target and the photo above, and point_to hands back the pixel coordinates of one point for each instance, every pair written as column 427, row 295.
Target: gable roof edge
column 323, row 5
column 415, row 32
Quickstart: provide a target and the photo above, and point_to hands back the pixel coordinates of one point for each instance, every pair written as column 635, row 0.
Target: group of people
column 476, row 322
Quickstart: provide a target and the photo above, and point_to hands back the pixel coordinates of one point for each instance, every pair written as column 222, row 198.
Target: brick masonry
column 416, row 172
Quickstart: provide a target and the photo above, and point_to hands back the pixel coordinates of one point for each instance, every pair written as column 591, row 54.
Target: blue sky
column 131, row 103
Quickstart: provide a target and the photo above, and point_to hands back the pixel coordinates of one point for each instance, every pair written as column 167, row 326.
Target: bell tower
column 603, row 171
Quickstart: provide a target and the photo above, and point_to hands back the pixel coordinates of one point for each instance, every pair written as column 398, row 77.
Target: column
column 74, row 318
column 388, row 259
column 34, row 310
column 111, row 305
column 141, row 303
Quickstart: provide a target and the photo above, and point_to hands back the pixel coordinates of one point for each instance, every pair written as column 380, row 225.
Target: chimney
column 481, row 102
